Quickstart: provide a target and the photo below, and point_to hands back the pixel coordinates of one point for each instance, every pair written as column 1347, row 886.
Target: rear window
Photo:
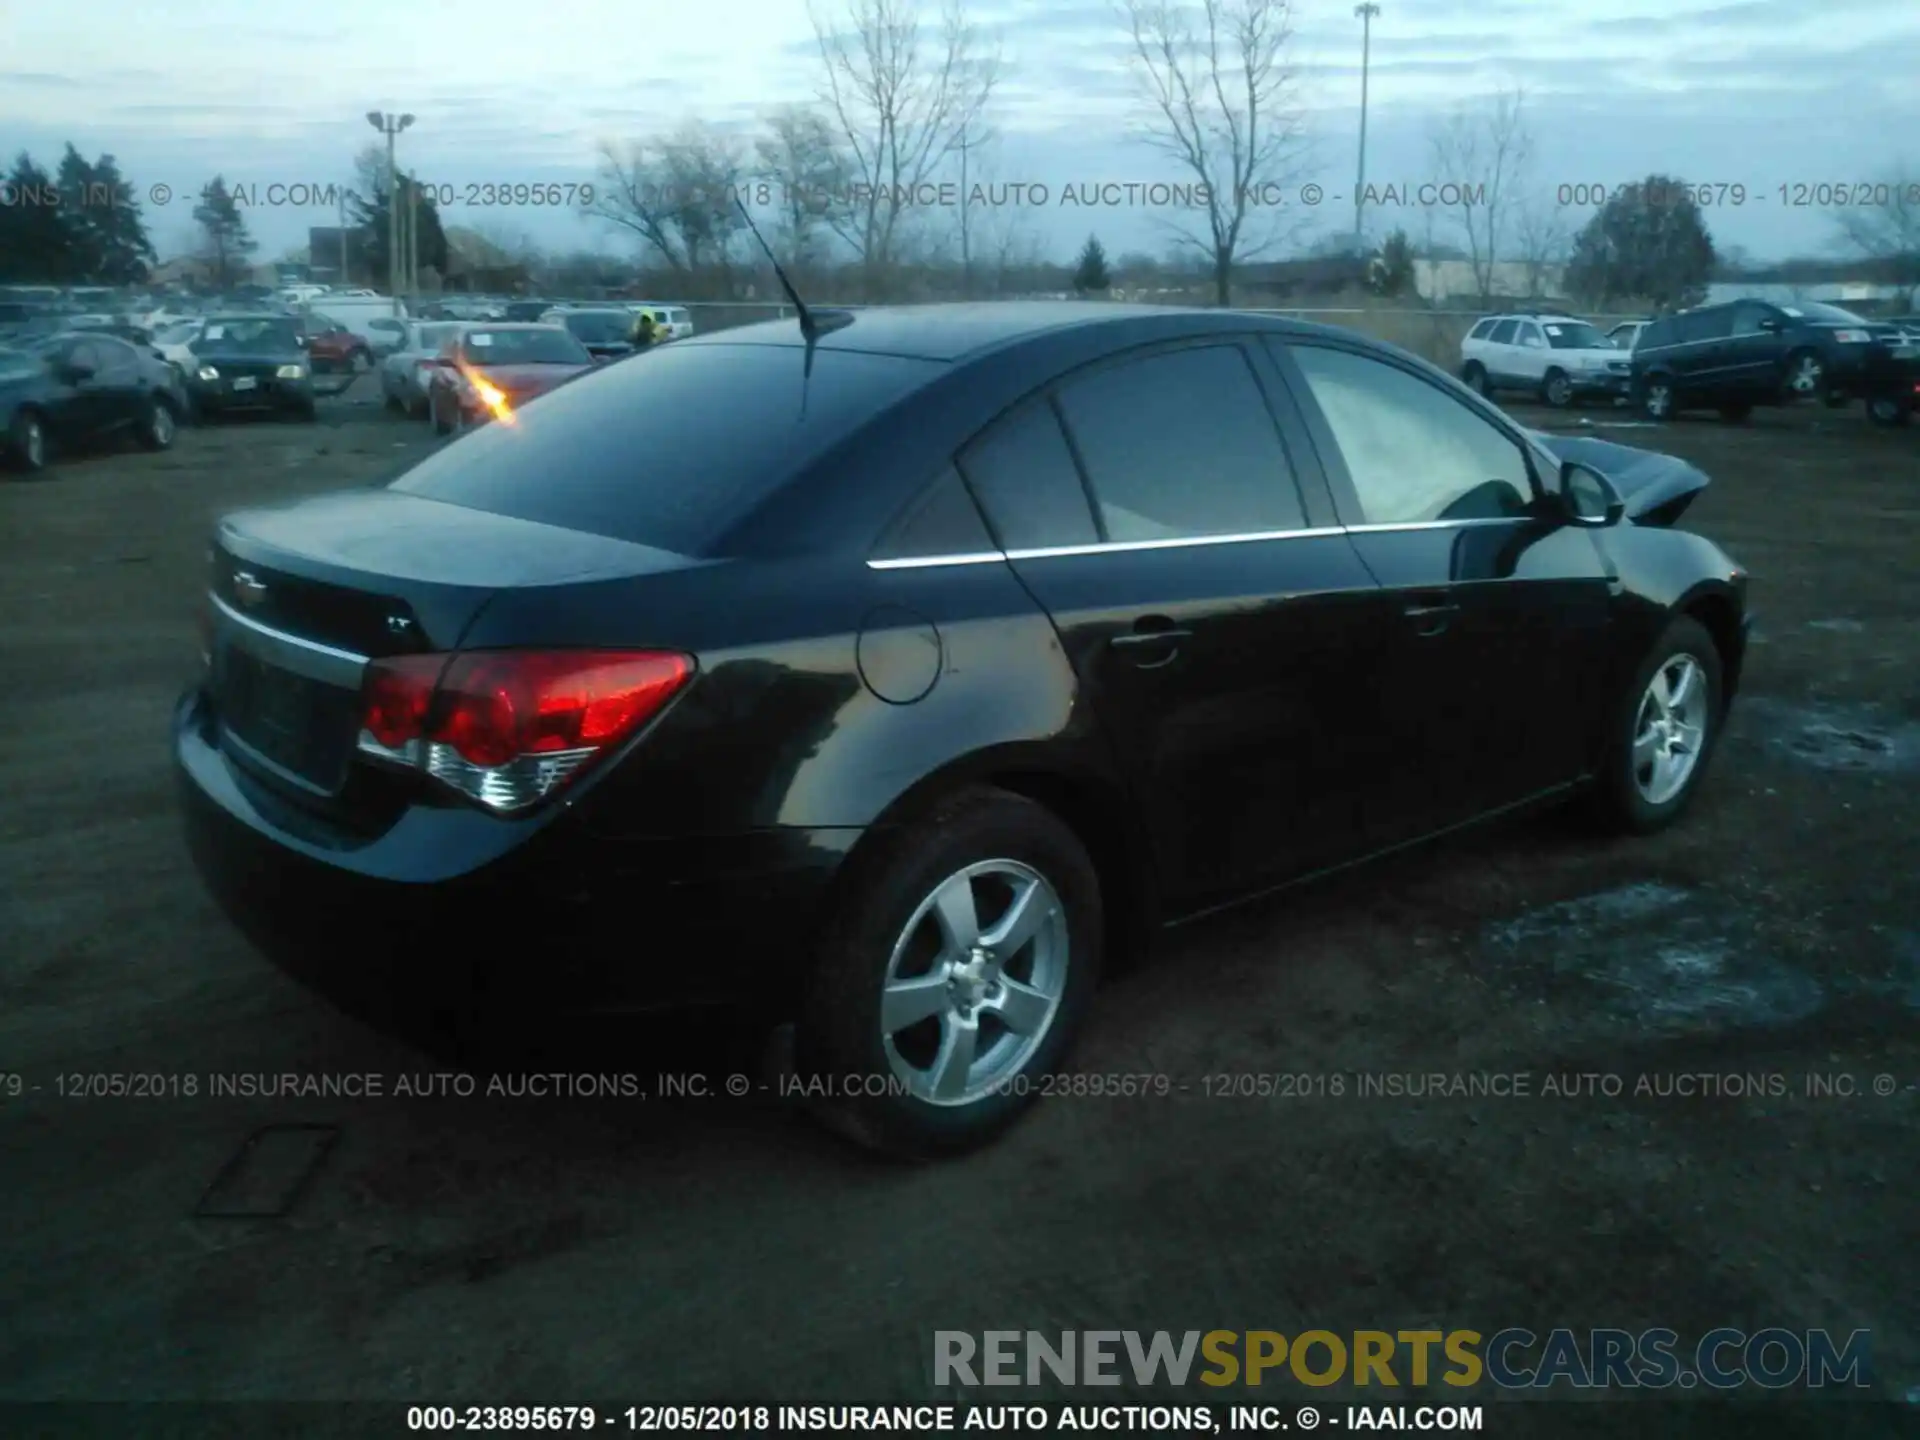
column 522, row 347
column 645, row 450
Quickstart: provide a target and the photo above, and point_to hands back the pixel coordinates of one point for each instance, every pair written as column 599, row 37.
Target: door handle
column 1153, row 630
column 1431, row 615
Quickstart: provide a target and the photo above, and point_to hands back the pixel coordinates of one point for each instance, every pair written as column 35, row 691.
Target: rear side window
column 943, row 521
column 1503, row 332
column 645, row 451
column 1180, row 445
column 1024, row 475
column 1480, row 331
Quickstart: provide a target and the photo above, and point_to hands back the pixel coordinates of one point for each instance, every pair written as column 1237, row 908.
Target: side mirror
column 1770, row 324
column 1588, row 498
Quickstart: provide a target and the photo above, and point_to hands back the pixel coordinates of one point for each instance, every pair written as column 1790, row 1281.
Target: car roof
column 959, row 331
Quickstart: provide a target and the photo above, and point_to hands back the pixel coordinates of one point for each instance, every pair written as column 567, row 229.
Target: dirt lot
column 478, row 1249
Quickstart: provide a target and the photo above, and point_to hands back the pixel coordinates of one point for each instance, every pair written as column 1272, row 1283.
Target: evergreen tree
column 1090, row 273
column 225, row 243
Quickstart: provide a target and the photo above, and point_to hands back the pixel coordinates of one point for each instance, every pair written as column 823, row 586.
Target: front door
column 1221, row 626
column 1504, row 607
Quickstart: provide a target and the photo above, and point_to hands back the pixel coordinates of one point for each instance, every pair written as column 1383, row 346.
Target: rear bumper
column 1601, row 383
column 454, row 910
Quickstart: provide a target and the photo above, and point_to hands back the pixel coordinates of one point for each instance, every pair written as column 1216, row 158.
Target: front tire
column 1475, row 379
column 953, row 977
column 1557, row 389
column 159, row 426
column 1663, row 732
column 1885, row 410
column 1806, row 375
column 1657, row 398
column 27, row 442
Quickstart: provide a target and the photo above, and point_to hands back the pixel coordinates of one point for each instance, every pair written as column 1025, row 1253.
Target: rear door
column 1701, row 360
column 1750, row 357
column 1531, row 354
column 1501, row 351
column 1222, row 628
column 1492, row 688
column 124, row 398
column 88, row 409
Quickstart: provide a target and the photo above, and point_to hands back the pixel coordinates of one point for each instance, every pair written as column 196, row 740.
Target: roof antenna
column 812, row 325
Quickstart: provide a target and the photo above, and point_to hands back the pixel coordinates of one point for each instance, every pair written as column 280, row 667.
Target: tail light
column 508, row 728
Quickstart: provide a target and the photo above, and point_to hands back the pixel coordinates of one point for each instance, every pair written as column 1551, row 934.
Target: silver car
column 404, row 373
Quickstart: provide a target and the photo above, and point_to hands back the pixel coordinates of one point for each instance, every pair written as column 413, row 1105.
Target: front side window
column 1414, row 453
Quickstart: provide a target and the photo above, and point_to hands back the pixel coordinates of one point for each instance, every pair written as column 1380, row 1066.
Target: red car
column 486, row 372
column 332, row 348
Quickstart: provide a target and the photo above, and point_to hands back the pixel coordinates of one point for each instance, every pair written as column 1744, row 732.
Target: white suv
column 672, row 321
column 1555, row 357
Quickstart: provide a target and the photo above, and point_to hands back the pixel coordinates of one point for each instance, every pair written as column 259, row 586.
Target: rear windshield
column 657, row 449
column 1822, row 314
column 523, row 347
column 597, row 325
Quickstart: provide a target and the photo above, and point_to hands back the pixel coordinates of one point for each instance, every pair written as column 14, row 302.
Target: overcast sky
column 1761, row 93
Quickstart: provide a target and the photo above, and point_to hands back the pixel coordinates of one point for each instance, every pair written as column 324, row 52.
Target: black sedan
column 607, row 334
column 251, row 364
column 78, row 389
column 988, row 640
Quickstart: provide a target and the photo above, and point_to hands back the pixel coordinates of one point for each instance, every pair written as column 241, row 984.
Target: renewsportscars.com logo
column 1512, row 1359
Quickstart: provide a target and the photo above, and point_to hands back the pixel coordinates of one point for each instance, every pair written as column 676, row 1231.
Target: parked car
column 1555, row 357
column 607, row 334
column 1003, row 635
column 332, row 348
column 387, row 335
column 1627, row 334
column 487, row 372
column 1892, row 384
column 248, row 364
column 407, row 372
column 79, row 389
column 1734, row 356
column 525, row 311
column 671, row 322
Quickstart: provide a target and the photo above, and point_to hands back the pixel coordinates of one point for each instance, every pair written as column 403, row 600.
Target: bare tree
column 803, row 165
column 677, row 195
column 1481, row 156
column 1888, row 229
column 1542, row 237
column 901, row 99
column 1223, row 106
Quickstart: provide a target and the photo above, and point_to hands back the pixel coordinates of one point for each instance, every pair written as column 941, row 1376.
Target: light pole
column 1365, row 14
column 391, row 126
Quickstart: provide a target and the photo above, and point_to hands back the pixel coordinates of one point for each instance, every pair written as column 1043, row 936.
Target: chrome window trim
column 308, row 658
column 1055, row 552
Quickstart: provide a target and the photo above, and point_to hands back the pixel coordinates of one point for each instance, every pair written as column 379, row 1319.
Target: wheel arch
column 1719, row 614
column 1092, row 804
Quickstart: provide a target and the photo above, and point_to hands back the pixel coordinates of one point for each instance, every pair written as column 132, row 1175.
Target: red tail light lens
column 508, row 728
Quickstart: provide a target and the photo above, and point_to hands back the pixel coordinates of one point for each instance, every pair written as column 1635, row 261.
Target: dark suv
column 1735, row 356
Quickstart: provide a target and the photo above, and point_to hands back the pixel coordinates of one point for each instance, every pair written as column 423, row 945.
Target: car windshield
column 265, row 335
column 1574, row 335
column 1822, row 314
column 178, row 332
column 570, row 457
column 545, row 346
column 598, row 326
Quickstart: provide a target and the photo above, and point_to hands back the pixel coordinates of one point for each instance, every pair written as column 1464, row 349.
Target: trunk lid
column 306, row 594
column 526, row 381
column 1657, row 488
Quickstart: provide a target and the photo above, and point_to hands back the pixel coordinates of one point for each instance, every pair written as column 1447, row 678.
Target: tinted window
column 1024, row 475
column 1574, row 335
column 1413, row 452
column 943, row 521
column 116, row 355
column 1747, row 318
column 1715, row 324
column 523, row 347
column 1479, row 332
column 1503, row 333
column 599, row 326
column 632, row 451
column 1182, row 444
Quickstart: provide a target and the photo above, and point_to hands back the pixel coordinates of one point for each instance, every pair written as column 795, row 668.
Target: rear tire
column 1474, row 377
column 1641, row 737
column 979, row 844
column 1557, row 390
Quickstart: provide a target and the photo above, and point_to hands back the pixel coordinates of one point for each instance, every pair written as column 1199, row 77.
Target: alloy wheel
column 974, row 982
column 162, row 426
column 34, row 445
column 1804, row 379
column 1670, row 729
column 1659, row 400
column 1559, row 390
